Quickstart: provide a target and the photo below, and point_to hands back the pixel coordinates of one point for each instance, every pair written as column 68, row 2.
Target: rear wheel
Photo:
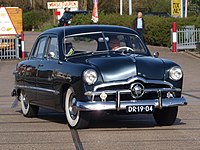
column 165, row 116
column 75, row 118
column 28, row 110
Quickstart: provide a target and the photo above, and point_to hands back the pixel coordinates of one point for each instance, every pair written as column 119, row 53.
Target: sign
column 177, row 8
column 62, row 5
column 59, row 7
column 95, row 17
column 6, row 25
column 57, row 13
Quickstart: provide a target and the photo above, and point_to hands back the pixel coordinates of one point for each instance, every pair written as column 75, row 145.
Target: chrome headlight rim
column 175, row 73
column 90, row 76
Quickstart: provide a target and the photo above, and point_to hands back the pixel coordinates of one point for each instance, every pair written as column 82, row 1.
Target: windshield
column 104, row 41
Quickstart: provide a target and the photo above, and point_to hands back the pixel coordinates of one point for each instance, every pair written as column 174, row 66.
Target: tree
column 194, row 7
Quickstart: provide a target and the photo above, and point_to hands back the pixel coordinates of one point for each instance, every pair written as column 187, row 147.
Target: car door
column 47, row 67
column 31, row 66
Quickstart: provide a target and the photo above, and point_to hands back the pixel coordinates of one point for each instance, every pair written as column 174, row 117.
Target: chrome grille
column 153, row 89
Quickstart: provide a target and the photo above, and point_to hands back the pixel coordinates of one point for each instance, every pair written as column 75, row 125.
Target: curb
column 192, row 54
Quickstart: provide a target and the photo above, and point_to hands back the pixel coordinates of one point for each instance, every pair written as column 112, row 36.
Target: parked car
column 160, row 14
column 76, row 70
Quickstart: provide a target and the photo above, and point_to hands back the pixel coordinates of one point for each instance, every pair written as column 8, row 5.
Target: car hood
column 123, row 67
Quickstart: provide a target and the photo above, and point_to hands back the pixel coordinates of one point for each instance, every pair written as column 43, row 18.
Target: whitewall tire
column 75, row 118
column 28, row 110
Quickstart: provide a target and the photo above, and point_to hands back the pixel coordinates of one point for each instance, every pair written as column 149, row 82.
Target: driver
column 114, row 43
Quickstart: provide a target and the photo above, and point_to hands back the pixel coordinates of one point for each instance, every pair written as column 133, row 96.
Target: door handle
column 40, row 65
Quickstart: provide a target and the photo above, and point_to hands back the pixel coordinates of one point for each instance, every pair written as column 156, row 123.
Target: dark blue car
column 82, row 69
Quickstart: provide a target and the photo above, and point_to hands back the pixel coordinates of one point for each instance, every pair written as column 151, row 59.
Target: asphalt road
column 50, row 131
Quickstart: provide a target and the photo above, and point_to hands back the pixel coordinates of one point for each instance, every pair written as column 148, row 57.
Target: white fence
column 188, row 38
column 9, row 47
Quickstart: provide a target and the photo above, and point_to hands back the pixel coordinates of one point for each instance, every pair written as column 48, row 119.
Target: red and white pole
column 174, row 37
column 22, row 44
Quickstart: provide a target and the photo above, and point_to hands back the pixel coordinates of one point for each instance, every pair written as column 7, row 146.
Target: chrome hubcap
column 72, row 110
column 24, row 101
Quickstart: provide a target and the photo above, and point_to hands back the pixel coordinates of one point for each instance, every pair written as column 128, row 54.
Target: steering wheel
column 126, row 49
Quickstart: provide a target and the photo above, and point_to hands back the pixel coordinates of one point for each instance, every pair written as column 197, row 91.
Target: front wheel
column 75, row 118
column 28, row 110
column 165, row 116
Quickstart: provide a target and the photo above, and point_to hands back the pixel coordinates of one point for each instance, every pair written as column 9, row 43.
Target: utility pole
column 186, row 8
column 130, row 7
column 121, row 7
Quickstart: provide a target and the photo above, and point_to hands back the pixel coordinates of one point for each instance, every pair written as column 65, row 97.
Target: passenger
column 69, row 49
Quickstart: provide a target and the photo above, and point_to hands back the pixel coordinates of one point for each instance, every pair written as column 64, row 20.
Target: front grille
column 125, row 97
column 155, row 85
column 115, row 87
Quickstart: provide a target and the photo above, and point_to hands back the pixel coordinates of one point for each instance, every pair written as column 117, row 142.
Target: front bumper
column 166, row 97
column 114, row 105
column 117, row 104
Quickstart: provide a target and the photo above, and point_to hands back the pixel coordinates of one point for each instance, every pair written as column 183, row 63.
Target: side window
column 82, row 43
column 53, row 50
column 39, row 48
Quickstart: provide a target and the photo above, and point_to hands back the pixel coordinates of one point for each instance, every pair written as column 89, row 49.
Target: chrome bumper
column 114, row 105
column 118, row 104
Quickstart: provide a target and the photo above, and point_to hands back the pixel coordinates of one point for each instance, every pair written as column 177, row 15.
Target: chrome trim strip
column 38, row 89
column 110, row 92
column 130, row 81
column 97, row 32
column 79, row 34
column 111, row 105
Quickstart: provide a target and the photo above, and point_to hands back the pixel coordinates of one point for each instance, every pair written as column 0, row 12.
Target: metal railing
column 9, row 47
column 188, row 38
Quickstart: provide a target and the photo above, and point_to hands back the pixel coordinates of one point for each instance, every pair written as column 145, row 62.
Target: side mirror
column 51, row 55
column 156, row 54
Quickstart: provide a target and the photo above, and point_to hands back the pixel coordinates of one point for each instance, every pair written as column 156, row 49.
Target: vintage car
column 83, row 69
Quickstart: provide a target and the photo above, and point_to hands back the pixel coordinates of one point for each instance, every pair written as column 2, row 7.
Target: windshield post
column 106, row 43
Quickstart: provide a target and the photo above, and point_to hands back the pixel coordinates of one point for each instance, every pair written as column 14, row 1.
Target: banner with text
column 6, row 25
column 177, row 8
column 58, row 5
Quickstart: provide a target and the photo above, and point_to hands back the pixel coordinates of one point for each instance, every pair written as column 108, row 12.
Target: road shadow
column 125, row 121
column 104, row 120
column 49, row 115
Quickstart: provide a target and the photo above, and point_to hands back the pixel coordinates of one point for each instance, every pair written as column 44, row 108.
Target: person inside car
column 114, row 43
column 69, row 49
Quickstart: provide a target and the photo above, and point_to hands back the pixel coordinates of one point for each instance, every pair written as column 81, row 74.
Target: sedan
column 80, row 70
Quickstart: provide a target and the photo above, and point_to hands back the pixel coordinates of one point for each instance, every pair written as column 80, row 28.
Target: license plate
column 140, row 109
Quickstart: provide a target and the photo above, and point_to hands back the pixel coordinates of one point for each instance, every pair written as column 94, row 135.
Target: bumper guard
column 121, row 105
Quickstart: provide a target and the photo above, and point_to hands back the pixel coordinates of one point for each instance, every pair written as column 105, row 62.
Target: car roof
column 88, row 28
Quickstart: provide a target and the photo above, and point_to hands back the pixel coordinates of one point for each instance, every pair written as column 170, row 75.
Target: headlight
column 90, row 76
column 175, row 73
